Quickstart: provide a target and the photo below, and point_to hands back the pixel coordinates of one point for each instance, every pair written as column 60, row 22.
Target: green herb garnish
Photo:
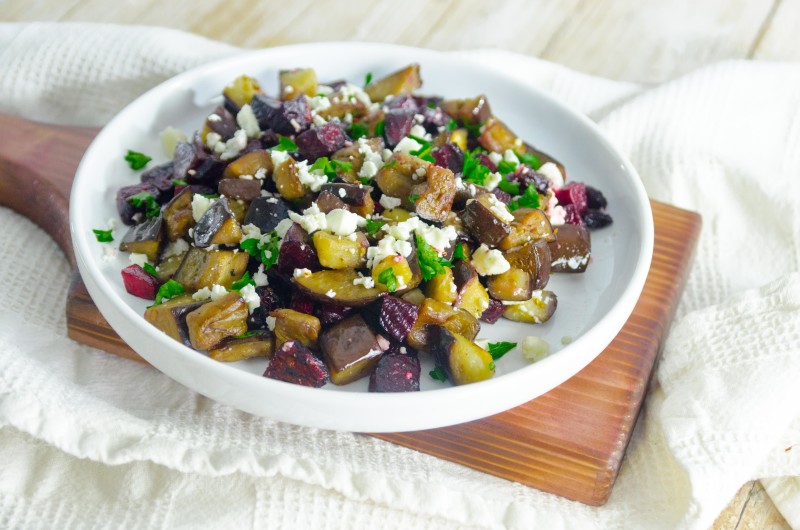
column 246, row 334
column 149, row 269
column 245, row 280
column 530, row 160
column 438, row 374
column 168, row 290
column 145, row 199
column 430, row 262
column 431, row 105
column 137, row 160
column 179, row 182
column 366, row 181
column 285, row 144
column 391, row 163
column 529, row 199
column 373, row 226
column 491, row 366
column 458, row 253
column 473, row 171
column 210, row 195
column 474, row 129
column 357, row 130
column 509, row 187
column 388, row 279
column 423, row 152
column 328, row 167
column 413, row 197
column 380, row 127
column 505, row 167
column 103, row 236
column 498, row 349
column 452, row 125
column 264, row 249
column 368, row 79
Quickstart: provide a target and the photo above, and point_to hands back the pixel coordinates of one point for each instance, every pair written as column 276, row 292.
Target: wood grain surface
column 569, row 441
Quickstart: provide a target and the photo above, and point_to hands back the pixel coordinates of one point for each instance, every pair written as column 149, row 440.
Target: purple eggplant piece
column 398, row 124
column 321, row 141
column 404, row 102
column 486, row 161
column 160, row 177
column 493, row 313
column 270, row 301
column 208, row 225
column 525, row 176
column 449, row 156
column 395, row 373
column 502, row 196
column 353, row 194
column 128, row 212
column 266, row 213
column 226, row 125
column 264, row 107
column 288, row 117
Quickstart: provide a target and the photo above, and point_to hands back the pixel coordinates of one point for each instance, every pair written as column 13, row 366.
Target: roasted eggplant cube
column 433, row 312
column 129, row 213
column 483, row 222
column 266, row 213
column 139, row 282
column 328, row 202
column 287, row 179
column 533, row 257
column 351, row 350
column 442, row 287
column 340, row 252
column 250, row 164
column 160, row 177
column 396, row 179
column 537, row 310
column 216, row 320
column 401, row 271
column 241, row 92
column 242, row 189
column 178, row 215
column 353, row 155
column 292, row 117
column 463, row 361
column 436, row 194
column 218, row 226
column 512, row 285
column 321, row 141
column 170, row 317
column 397, row 125
column 529, row 224
column 356, row 197
column 336, row 287
column 403, row 81
column 294, row 363
column 471, row 111
column 258, row 344
column 144, row 238
column 497, row 137
column 472, row 296
column 220, row 121
column 293, row 325
column 296, row 82
column 201, row 268
column 395, row 372
column 571, row 250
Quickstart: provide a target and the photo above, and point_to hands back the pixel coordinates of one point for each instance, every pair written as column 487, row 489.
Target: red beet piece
column 571, row 215
column 301, row 303
column 297, row 255
column 502, row 196
column 449, row 156
column 329, row 314
column 160, row 177
column 484, row 159
column 493, row 312
column 294, row 363
column 395, row 373
column 396, row 316
column 573, row 193
column 403, row 102
column 139, row 282
column 321, row 141
column 226, row 125
column 528, row 177
column 270, row 300
column 397, row 125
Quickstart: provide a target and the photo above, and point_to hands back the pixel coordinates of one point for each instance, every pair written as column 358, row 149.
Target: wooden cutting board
column 569, row 442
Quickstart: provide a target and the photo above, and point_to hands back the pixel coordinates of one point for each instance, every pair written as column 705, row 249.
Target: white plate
column 592, row 307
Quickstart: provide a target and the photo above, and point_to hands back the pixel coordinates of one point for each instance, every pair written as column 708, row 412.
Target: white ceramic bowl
column 592, row 307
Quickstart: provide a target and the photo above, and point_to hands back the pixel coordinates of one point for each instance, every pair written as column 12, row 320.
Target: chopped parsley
column 498, row 349
column 137, row 160
column 264, row 249
column 509, row 187
column 368, row 79
column 458, row 253
column 430, row 262
column 357, row 130
column 423, row 152
column 245, row 280
column 373, row 226
column 103, row 236
column 366, row 181
column 328, row 167
column 529, row 199
column 414, row 197
column 473, row 129
column 179, row 182
column 452, row 125
column 145, row 199
column 391, row 163
column 505, row 167
column 473, row 171
column 431, row 105
column 247, row 334
column 491, row 366
column 168, row 290
column 388, row 279
column 285, row 144
column 530, row 160
column 380, row 127
column 149, row 269
column 438, row 374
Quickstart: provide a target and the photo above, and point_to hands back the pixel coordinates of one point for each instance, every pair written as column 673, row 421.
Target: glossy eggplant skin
column 260, row 344
column 204, row 268
column 215, row 225
column 170, row 317
column 145, row 238
column 350, row 349
column 482, row 223
column 463, row 360
column 178, row 215
column 571, row 250
column 242, row 189
column 533, row 257
column 266, row 213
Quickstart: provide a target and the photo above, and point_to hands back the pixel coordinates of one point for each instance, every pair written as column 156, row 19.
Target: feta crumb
column 438, row 238
column 366, row 281
column 350, row 92
column 403, row 248
column 218, row 291
column 318, row 120
column 251, row 297
column 510, row 156
column 419, row 118
column 247, row 120
column 489, row 262
column 246, row 177
column 202, row 294
column 390, row 202
column 420, row 172
column 342, row 193
column 382, row 250
column 493, row 180
column 402, row 231
column 386, row 155
column 331, row 293
column 460, row 184
column 557, row 215
column 311, row 220
column 261, row 173
column 214, row 117
column 234, row 146
column 373, row 161
column 551, row 171
column 342, row 222
column 406, row 145
column 314, row 180
column 200, row 206
column 318, row 103
column 260, row 277
column 278, row 157
column 283, row 227
column 109, row 253
column 270, row 323
column 212, row 140
column 535, row 349
column 137, row 259
column 420, row 132
column 499, row 208
column 496, row 158
column 301, row 273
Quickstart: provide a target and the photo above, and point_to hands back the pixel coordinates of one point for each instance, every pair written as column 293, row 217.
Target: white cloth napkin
column 91, row 440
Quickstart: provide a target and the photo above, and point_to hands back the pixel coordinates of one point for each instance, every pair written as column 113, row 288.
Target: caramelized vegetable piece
column 220, row 121
column 401, row 271
column 178, row 215
column 218, row 226
column 414, row 296
column 298, row 81
column 243, row 189
column 201, row 268
column 321, row 141
column 464, row 361
column 293, row 325
column 395, row 372
column 168, row 266
column 336, row 287
column 139, row 282
column 433, row 312
column 170, row 317
column 352, row 155
column 529, row 224
column 396, row 214
column 294, row 363
column 356, row 197
column 328, row 202
column 296, row 251
column 260, row 344
column 216, row 320
column 287, row 180
column 351, row 350
column 537, row 310
column 403, row 81
column 512, row 285
column 144, row 238
column 340, row 252
column 266, row 213
column 533, row 257
column 250, row 164
column 571, row 250
column 481, row 218
column 436, row 194
column 472, row 295
column 442, row 287
column 472, row 111
column 497, row 137
column 241, row 91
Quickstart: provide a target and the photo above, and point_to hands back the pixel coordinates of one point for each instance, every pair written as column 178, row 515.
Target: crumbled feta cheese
column 390, row 202
column 200, row 206
column 283, row 227
column 384, row 249
column 324, row 90
column 218, row 291
column 137, row 259
column 109, row 253
column 112, row 224
column 489, row 262
column 261, row 173
column 278, row 157
column 496, row 158
column 535, row 349
column 272, row 200
column 314, row 180
column 372, row 160
column 510, row 156
column 342, row 222
column 260, row 277
column 251, row 231
column 419, row 118
column 318, row 103
column 176, row 248
column 342, row 193
column 492, row 180
column 247, row 120
column 234, row 146
column 420, row 171
column 214, row 117
column 438, row 238
column 270, row 323
column 251, row 297
column 460, row 184
column 318, row 120
column 331, row 293
column 354, row 92
column 202, row 294
column 402, row 231
column 366, row 281
column 386, row 155
column 403, row 248
column 500, row 209
column 551, row 171
column 406, row 145
column 170, row 138
column 557, row 215
column 246, row 177
column 212, row 140
column 311, row 220
column 288, row 89
column 301, row 273
column 420, row 132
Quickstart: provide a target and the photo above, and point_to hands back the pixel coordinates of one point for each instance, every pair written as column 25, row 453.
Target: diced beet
column 329, row 314
column 571, row 215
column 139, row 282
column 395, row 316
column 484, row 159
column 528, row 177
column 184, row 158
column 160, row 177
column 270, row 300
column 573, row 194
column 502, row 196
column 321, row 141
column 402, row 102
column 294, row 363
column 493, row 312
column 395, row 373
column 226, row 125
column 397, row 126
column 595, row 198
column 595, row 218
column 127, row 211
column 266, row 213
column 449, row 156
column 297, row 255
column 302, row 303
column 288, row 117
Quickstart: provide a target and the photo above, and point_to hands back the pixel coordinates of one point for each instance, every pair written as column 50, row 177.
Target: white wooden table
column 645, row 41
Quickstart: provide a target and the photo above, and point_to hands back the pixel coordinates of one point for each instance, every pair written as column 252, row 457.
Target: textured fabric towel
column 90, row 440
